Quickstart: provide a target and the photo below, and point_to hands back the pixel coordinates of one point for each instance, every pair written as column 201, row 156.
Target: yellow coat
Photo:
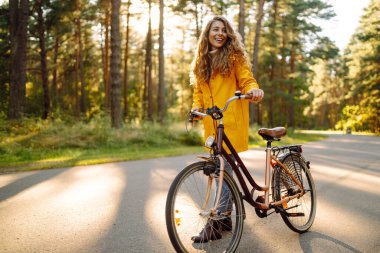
column 217, row 92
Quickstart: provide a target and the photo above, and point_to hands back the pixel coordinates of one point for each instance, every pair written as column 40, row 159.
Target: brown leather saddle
column 271, row 134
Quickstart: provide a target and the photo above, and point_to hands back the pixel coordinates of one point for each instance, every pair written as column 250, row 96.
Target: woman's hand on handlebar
column 194, row 117
column 257, row 95
column 254, row 95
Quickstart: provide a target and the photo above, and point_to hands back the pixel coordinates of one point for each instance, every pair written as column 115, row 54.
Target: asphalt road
column 119, row 207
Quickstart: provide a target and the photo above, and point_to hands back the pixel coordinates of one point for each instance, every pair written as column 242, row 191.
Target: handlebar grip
column 191, row 117
column 241, row 96
column 248, row 96
column 194, row 115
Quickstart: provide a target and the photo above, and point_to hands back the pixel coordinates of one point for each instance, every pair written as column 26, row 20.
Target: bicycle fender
column 302, row 159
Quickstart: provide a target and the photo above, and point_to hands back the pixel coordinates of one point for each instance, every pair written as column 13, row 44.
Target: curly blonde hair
column 207, row 61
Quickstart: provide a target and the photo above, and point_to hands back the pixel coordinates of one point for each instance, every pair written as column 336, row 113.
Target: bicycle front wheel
column 188, row 210
column 299, row 212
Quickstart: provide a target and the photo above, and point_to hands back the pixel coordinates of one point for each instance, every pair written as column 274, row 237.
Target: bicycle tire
column 306, row 204
column 184, row 205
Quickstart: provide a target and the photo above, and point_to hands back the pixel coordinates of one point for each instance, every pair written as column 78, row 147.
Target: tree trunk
column 105, row 57
column 283, row 73
column 259, row 18
column 18, row 21
column 197, row 25
column 44, row 72
column 148, row 68
column 82, row 101
column 76, row 75
column 115, row 65
column 126, row 56
column 291, row 87
column 54, row 92
column 273, row 67
column 161, row 63
column 242, row 19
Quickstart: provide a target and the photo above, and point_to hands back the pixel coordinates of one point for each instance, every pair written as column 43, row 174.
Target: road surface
column 119, row 207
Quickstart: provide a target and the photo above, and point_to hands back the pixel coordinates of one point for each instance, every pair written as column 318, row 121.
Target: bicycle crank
column 259, row 212
column 284, row 211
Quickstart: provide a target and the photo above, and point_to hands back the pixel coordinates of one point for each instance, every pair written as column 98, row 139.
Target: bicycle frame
column 271, row 161
column 221, row 211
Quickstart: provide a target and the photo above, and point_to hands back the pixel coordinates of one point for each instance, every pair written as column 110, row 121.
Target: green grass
column 75, row 157
column 35, row 144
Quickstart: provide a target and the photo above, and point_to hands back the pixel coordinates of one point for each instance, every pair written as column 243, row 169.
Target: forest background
column 126, row 64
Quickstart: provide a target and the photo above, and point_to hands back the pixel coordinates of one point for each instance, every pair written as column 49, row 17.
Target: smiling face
column 217, row 34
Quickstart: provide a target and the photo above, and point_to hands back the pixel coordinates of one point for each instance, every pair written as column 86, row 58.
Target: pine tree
column 197, row 8
column 362, row 57
column 259, row 17
column 148, row 84
column 39, row 4
column 161, row 71
column 18, row 22
column 115, row 66
column 126, row 58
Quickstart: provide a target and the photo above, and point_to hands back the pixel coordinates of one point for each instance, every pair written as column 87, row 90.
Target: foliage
column 285, row 63
column 32, row 139
column 326, row 87
column 4, row 60
column 362, row 61
column 33, row 143
column 307, row 82
column 37, row 133
column 358, row 118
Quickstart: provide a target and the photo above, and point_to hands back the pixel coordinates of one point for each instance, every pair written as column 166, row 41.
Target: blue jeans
column 225, row 204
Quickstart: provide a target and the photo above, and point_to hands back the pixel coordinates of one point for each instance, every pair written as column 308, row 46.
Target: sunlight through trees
column 59, row 61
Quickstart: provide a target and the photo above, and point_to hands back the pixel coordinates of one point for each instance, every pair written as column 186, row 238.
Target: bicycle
column 289, row 190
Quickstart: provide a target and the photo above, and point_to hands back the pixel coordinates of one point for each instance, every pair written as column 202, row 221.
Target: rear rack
column 279, row 150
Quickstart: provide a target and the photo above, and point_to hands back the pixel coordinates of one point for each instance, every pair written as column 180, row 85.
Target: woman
column 221, row 67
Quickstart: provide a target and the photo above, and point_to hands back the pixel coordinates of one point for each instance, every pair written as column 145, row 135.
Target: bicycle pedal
column 294, row 214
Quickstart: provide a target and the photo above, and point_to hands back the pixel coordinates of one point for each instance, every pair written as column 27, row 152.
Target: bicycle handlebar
column 211, row 113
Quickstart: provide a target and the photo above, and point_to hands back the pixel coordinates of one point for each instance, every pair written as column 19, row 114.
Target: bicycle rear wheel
column 300, row 212
column 185, row 216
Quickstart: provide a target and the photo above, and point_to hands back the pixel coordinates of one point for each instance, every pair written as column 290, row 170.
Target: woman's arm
column 247, row 83
column 197, row 97
column 244, row 77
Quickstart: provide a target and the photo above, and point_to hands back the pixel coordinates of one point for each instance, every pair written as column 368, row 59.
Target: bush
column 192, row 137
column 359, row 118
column 253, row 136
column 58, row 134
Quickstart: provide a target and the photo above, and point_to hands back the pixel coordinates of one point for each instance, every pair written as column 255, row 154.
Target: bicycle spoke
column 186, row 219
column 303, row 205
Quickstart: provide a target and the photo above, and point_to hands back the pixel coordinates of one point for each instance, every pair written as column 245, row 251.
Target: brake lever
column 191, row 117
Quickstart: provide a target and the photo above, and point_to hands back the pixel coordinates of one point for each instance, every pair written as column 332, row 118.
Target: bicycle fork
column 213, row 210
column 219, row 142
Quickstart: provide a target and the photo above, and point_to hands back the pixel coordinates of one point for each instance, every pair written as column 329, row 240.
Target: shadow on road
column 308, row 238
column 353, row 153
column 134, row 227
column 27, row 182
